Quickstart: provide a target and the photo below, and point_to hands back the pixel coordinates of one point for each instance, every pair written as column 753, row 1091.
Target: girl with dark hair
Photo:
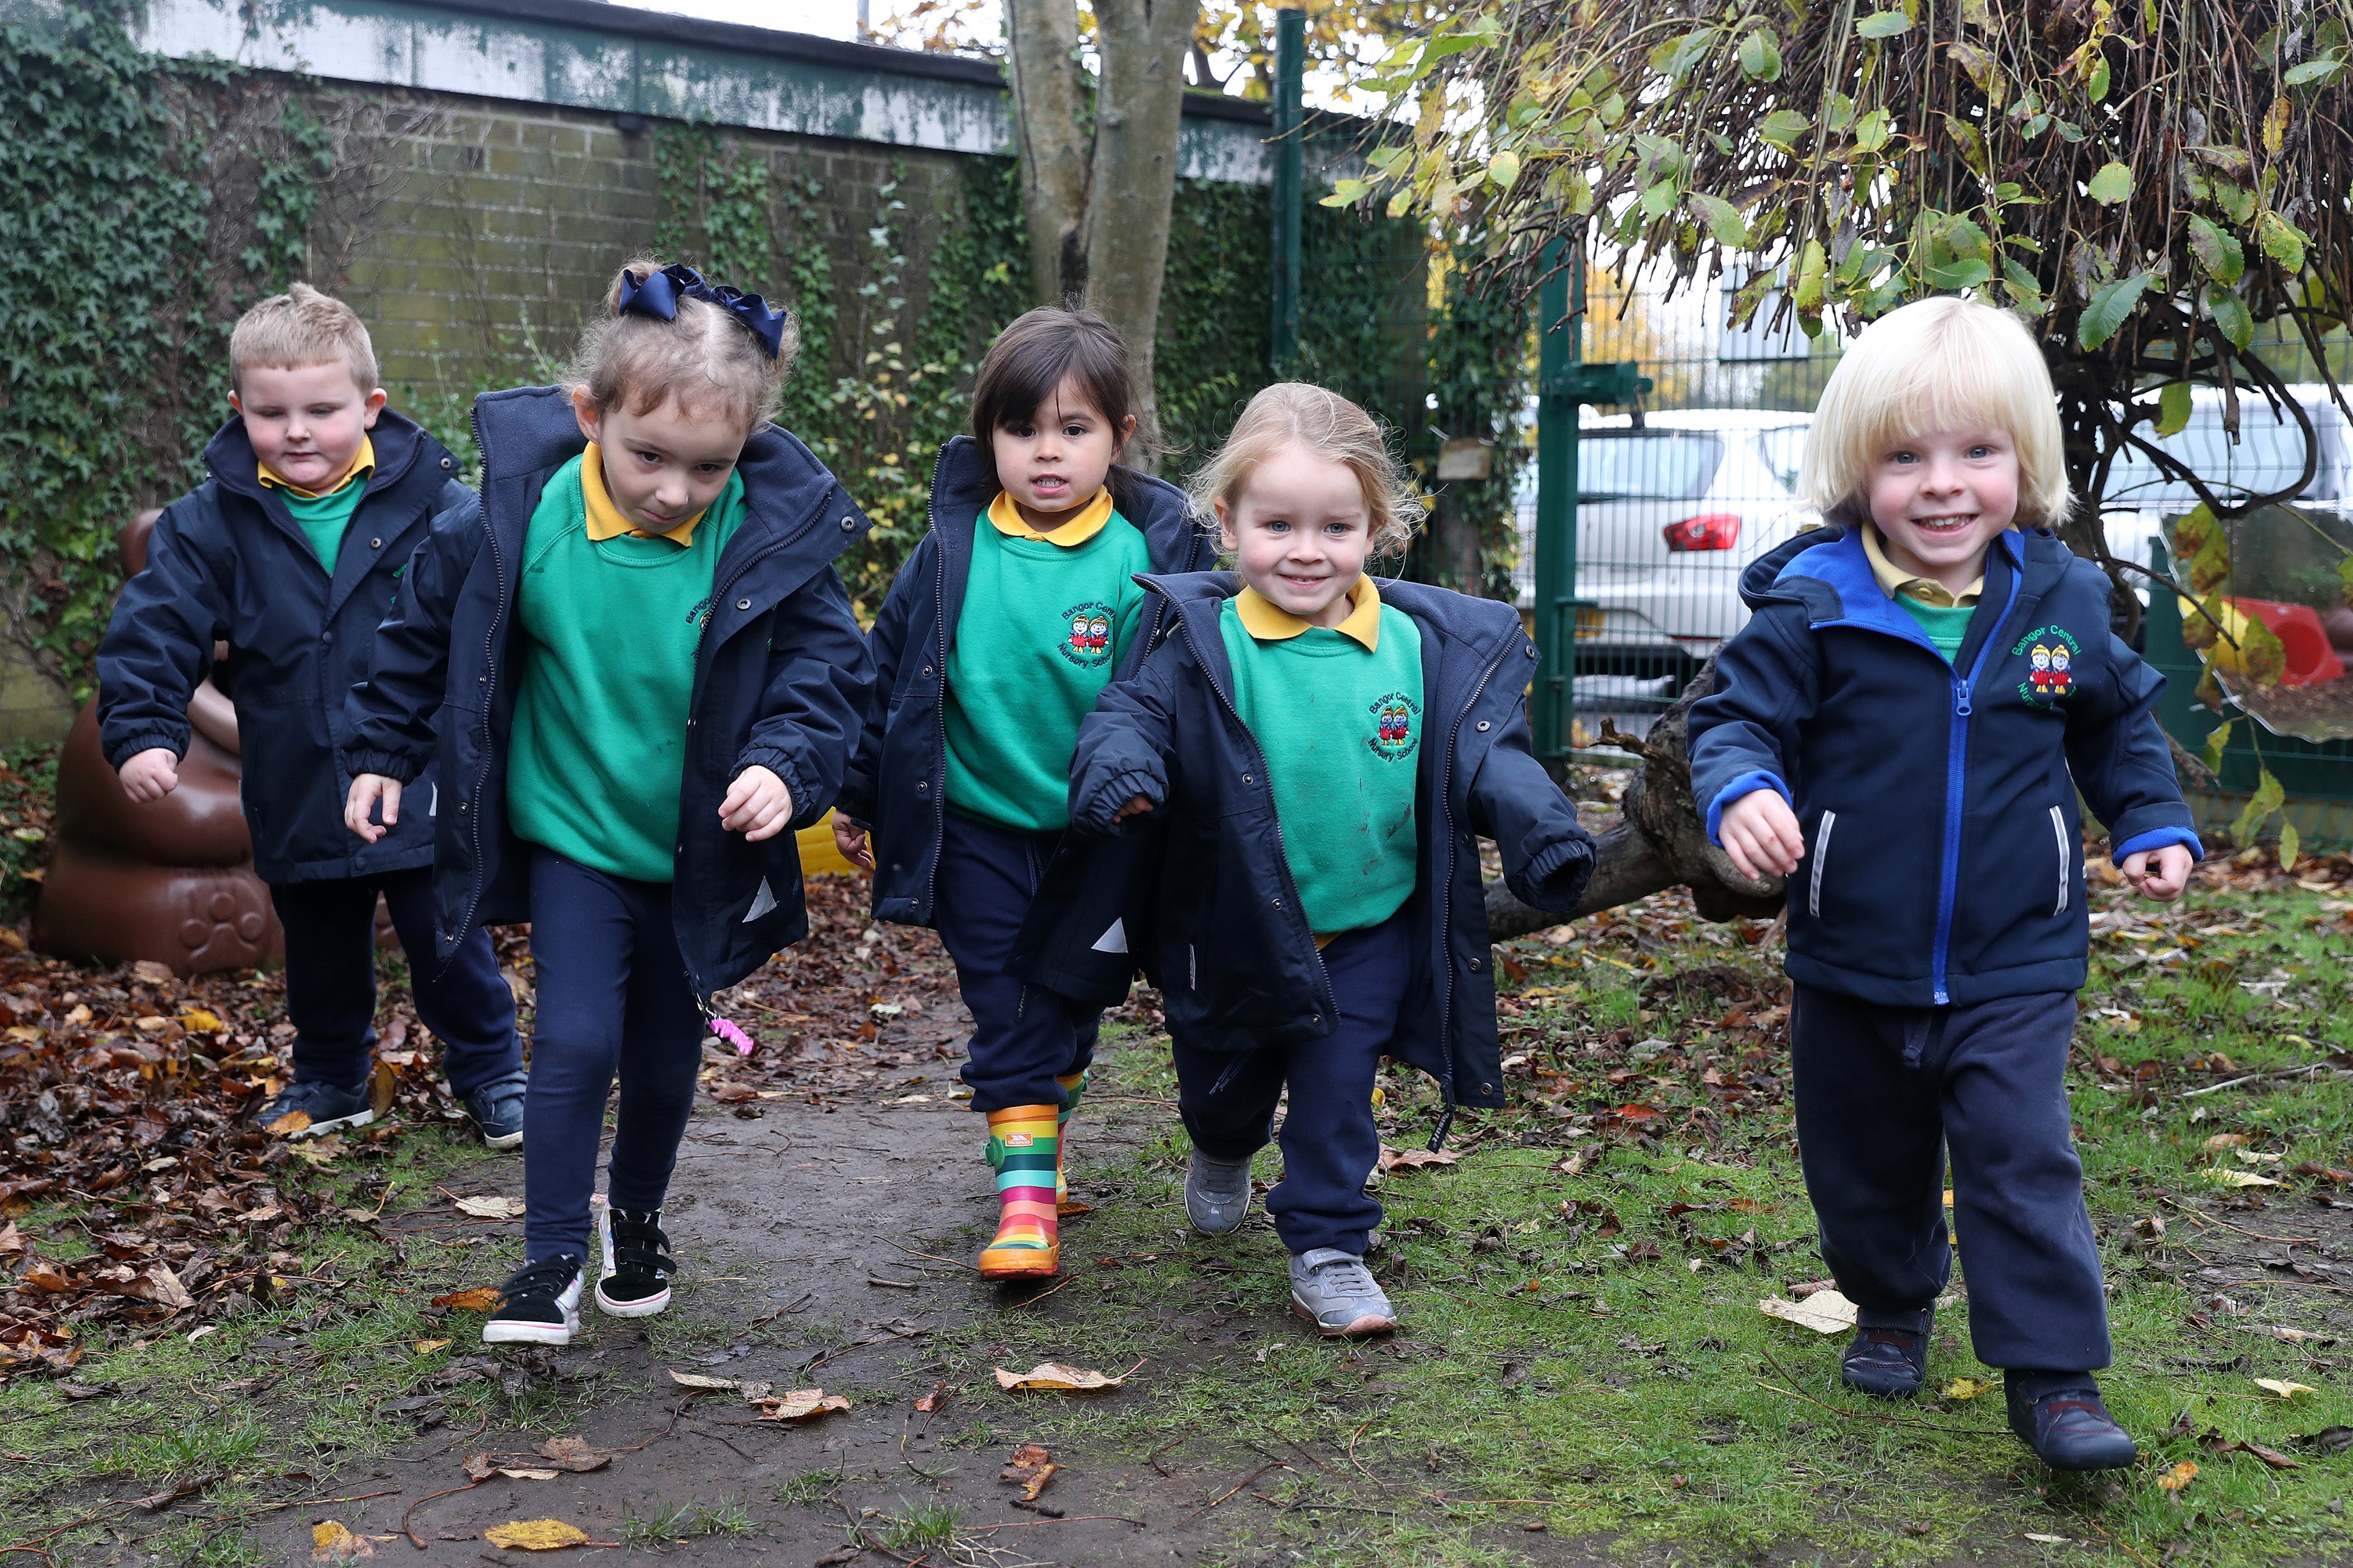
column 643, row 673
column 1016, row 610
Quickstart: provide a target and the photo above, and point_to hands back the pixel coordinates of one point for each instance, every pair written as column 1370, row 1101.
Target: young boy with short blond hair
column 291, row 554
column 1884, row 735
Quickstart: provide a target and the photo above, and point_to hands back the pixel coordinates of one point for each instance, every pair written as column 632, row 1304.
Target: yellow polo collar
column 606, row 520
column 1269, row 622
column 363, row 464
column 1928, row 590
column 1089, row 522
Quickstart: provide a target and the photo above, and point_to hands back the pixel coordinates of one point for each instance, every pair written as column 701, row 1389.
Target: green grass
column 670, row 1523
column 1626, row 1384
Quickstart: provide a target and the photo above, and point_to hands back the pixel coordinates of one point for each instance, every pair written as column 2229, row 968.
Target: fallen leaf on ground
column 1824, row 1311
column 1048, row 1374
column 427, row 1347
column 2283, row 1389
column 200, row 1021
column 2180, row 1475
column 1031, row 1467
column 491, row 1207
column 2328, row 1439
column 2237, row 1178
column 2271, row 1457
column 1413, row 1159
column 479, row 1466
column 480, row 1299
column 1966, row 1387
column 331, row 1542
column 2048, row 1539
column 12, row 1240
column 2225, row 1141
column 537, row 1535
column 288, row 1125
column 574, row 1454
column 520, row 1474
column 935, row 1402
column 801, row 1405
column 697, row 1380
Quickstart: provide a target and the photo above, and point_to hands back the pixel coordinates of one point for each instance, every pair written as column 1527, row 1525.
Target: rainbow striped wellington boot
column 1075, row 1089
column 1023, row 1144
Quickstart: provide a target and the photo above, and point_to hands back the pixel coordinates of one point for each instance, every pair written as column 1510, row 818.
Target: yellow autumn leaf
column 2285, row 1390
column 2180, row 1475
column 480, row 1299
column 331, row 1542
column 537, row 1535
column 2238, row 1178
column 2225, row 1141
column 1050, row 1374
column 1966, row 1387
column 427, row 1347
column 288, row 1125
column 800, row 1404
column 200, row 1021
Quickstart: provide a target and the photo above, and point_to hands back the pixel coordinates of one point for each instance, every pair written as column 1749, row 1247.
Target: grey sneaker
column 1335, row 1291
column 1217, row 1194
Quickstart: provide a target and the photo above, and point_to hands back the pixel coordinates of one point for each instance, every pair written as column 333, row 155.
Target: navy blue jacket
column 779, row 680
column 1219, row 927
column 1943, row 858
column 226, row 562
column 898, row 780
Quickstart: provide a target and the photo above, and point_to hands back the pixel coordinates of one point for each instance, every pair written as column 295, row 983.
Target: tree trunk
column 1042, row 55
column 1659, row 843
column 1139, row 106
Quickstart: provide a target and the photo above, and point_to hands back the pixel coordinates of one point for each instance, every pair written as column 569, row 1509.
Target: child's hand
column 151, row 774
column 2159, row 874
column 366, row 790
column 1761, row 834
column 757, row 805
column 850, row 839
column 1134, row 807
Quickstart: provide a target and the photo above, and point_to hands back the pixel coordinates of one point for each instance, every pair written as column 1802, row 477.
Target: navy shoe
column 329, row 1106
column 2067, row 1428
column 497, row 1109
column 1886, row 1363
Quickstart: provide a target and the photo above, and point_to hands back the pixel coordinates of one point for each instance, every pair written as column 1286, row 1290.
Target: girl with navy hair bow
column 638, row 672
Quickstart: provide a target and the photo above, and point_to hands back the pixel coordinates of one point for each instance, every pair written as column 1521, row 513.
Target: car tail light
column 1712, row 530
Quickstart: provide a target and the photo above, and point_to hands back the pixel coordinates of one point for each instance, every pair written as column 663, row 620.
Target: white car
column 2268, row 456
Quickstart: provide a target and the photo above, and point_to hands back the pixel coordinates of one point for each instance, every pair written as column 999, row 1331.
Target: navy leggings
column 1329, row 1143
column 331, row 982
column 1024, row 1035
column 614, row 1001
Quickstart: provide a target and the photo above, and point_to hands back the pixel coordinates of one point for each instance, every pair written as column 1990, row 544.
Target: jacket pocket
column 1821, row 861
column 2066, row 858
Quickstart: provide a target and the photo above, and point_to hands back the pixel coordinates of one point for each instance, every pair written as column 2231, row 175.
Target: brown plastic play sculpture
column 171, row 880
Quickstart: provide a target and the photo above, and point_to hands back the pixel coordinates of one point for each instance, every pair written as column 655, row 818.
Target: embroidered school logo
column 1394, row 735
column 2050, row 653
column 1087, row 643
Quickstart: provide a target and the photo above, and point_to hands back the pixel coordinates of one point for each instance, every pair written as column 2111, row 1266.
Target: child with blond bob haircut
column 640, row 673
column 1900, row 730
column 291, row 554
column 1315, row 753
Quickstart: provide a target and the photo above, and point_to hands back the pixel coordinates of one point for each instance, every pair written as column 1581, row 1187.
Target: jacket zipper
column 489, row 689
column 1955, row 781
column 1443, row 895
column 1290, row 884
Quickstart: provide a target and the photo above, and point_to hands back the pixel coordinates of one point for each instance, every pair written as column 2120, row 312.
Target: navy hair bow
column 657, row 294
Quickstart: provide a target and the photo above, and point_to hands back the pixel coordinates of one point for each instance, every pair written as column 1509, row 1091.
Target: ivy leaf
column 2112, row 185
column 2314, row 73
column 2281, row 241
column 1813, row 269
column 2217, row 250
column 1783, row 127
column 1346, row 193
column 2291, row 845
column 1504, row 168
column 2173, row 404
column 2268, row 797
column 2097, row 86
column 1760, row 56
column 2109, row 308
column 1871, row 132
column 1884, row 25
column 2216, row 739
column 1725, row 224
column 2231, row 314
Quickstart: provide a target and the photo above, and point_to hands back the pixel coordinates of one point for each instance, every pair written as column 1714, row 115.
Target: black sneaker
column 2067, row 1426
column 329, row 1107
column 635, row 1282
column 539, row 1305
column 497, row 1109
column 1887, row 1363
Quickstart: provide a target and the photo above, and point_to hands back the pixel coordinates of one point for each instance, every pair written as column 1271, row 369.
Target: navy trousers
column 1024, row 1035
column 1329, row 1143
column 614, row 1000
column 331, row 982
column 1884, row 1095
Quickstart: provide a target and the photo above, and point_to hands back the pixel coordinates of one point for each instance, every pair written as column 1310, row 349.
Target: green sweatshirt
column 1946, row 625
column 1042, row 624
column 1340, row 722
column 597, row 753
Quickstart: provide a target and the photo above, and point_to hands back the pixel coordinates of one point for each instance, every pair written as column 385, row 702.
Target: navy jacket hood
column 781, row 676
column 1939, row 798
column 898, row 780
column 1200, row 884
column 226, row 562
